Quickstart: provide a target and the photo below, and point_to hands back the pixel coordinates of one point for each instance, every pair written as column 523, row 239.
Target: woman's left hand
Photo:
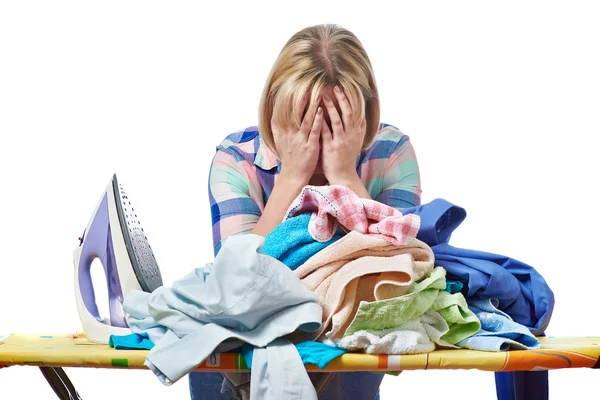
column 341, row 147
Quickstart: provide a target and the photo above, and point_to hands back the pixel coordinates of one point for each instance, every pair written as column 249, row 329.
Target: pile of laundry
column 339, row 274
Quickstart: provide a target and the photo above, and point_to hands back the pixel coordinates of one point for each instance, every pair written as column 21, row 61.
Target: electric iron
column 114, row 235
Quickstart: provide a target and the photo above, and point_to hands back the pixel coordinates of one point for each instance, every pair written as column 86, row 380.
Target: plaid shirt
column 244, row 171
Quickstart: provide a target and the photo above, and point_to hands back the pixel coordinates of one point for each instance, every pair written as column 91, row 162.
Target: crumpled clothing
column 498, row 331
column 247, row 297
column 317, row 353
column 333, row 206
column 359, row 268
column 419, row 335
column 520, row 290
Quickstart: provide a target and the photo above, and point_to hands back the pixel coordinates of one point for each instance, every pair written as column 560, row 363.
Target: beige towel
column 358, row 268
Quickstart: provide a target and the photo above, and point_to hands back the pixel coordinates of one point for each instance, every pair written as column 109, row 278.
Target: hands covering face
column 337, row 147
column 341, row 145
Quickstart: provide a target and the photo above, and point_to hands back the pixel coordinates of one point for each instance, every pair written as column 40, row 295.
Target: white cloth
column 419, row 335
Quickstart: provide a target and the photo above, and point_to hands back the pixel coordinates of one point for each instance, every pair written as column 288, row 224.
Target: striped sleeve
column 232, row 209
column 401, row 181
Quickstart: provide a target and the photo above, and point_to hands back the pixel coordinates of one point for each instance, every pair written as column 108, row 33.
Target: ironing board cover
column 63, row 351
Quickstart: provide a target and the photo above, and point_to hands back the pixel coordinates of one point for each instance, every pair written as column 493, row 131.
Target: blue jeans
column 522, row 385
column 341, row 386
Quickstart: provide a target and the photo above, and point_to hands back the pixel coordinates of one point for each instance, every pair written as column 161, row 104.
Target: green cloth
column 391, row 313
column 427, row 295
column 463, row 322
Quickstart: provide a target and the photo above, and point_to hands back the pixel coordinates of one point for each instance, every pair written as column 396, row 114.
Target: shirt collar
column 265, row 158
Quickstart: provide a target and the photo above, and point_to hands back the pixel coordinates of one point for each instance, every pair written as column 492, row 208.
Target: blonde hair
column 318, row 56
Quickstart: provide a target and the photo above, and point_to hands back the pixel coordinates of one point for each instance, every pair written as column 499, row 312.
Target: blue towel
column 453, row 287
column 291, row 243
column 317, row 353
column 498, row 331
column 522, row 292
column 135, row 341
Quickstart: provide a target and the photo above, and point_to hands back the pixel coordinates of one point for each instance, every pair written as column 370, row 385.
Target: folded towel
column 498, row 331
column 332, row 206
column 361, row 267
column 428, row 295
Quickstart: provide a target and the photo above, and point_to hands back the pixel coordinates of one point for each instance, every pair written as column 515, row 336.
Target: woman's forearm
column 286, row 189
column 355, row 184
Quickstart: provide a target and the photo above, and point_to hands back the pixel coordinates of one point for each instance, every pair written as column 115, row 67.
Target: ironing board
column 62, row 351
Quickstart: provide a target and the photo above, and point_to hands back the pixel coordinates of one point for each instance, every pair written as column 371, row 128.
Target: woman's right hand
column 299, row 150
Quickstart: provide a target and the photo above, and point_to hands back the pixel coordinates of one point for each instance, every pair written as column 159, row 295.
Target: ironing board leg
column 60, row 383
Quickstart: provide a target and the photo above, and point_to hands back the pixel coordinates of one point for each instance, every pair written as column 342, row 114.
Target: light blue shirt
column 243, row 296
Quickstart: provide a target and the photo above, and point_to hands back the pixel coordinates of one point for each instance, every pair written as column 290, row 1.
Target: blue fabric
column 522, row 385
column 208, row 386
column 521, row 290
column 134, row 341
column 526, row 296
column 453, row 287
column 291, row 243
column 498, row 331
column 351, row 385
column 317, row 353
column 248, row 352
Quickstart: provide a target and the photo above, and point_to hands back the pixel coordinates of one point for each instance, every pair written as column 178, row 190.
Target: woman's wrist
column 349, row 178
column 285, row 190
column 352, row 182
column 291, row 181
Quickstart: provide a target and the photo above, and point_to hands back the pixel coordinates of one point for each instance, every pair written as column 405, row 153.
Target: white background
column 501, row 101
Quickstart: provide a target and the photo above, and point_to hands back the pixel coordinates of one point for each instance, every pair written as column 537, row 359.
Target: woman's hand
column 342, row 146
column 299, row 154
column 298, row 150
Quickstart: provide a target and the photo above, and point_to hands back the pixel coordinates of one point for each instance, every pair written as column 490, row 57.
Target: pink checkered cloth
column 333, row 206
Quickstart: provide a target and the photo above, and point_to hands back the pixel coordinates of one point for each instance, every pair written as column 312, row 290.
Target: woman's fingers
column 336, row 122
column 363, row 128
column 315, row 132
column 346, row 107
column 350, row 99
column 326, row 135
column 309, row 117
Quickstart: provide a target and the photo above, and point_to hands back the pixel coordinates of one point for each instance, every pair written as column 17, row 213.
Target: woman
column 318, row 125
